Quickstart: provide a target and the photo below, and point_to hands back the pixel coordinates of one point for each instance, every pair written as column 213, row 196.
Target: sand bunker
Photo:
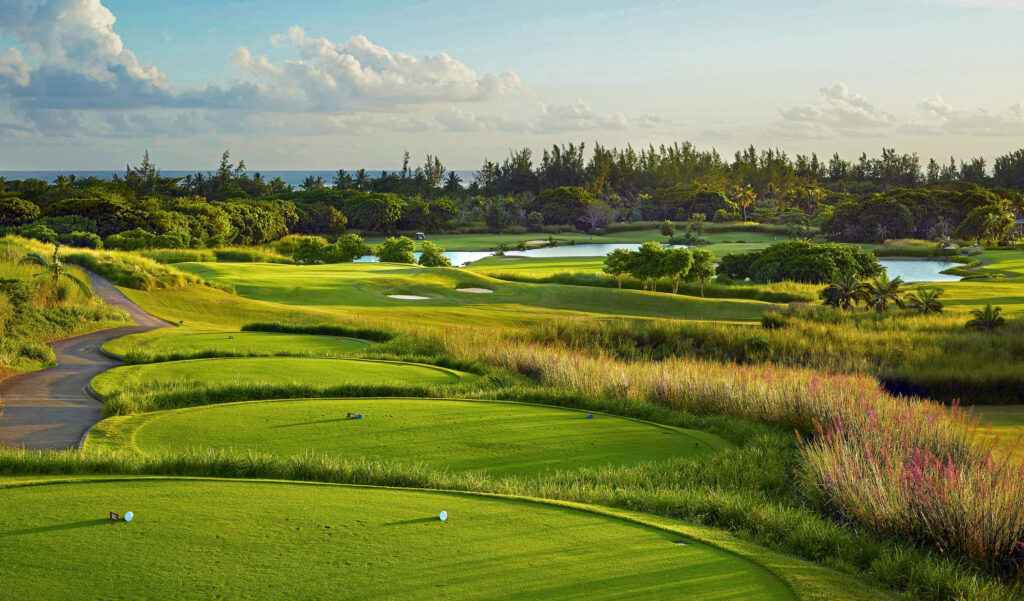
column 475, row 290
column 408, row 297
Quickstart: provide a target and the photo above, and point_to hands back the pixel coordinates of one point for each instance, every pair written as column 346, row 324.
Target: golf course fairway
column 274, row 371
column 277, row 540
column 499, row 438
column 172, row 341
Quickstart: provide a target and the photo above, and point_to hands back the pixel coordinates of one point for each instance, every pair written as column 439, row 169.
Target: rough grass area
column 34, row 309
column 441, row 435
column 131, row 270
column 365, row 543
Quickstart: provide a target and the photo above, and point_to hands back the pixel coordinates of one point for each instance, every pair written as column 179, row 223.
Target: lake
column 919, row 271
column 909, row 270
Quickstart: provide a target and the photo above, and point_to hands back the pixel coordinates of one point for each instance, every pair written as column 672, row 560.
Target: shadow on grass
column 318, row 421
column 413, row 521
column 56, row 527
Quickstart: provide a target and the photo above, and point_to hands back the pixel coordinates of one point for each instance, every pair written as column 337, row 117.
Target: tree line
column 870, row 199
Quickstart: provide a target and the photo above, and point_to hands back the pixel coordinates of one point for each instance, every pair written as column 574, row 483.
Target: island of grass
column 177, row 343
column 273, row 371
column 497, row 437
column 277, row 540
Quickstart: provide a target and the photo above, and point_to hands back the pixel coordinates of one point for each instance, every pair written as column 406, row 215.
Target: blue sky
column 91, row 83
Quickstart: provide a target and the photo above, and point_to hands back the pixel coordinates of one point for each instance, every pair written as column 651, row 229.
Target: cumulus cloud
column 330, row 76
column 76, row 35
column 14, row 71
column 77, row 76
column 937, row 117
column 842, row 113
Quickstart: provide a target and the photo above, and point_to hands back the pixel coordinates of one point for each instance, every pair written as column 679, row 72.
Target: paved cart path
column 50, row 408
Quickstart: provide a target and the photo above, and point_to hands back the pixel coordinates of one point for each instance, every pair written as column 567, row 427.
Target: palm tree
column 845, row 291
column 882, row 292
column 55, row 269
column 743, row 196
column 926, row 301
column 987, row 319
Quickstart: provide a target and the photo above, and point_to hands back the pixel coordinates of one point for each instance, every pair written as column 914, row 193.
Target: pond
column 919, row 271
column 460, row 258
column 909, row 270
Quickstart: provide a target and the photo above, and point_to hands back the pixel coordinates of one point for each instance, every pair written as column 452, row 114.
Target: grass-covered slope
column 259, row 540
column 364, row 288
column 34, row 309
column 256, row 371
column 166, row 343
column 499, row 438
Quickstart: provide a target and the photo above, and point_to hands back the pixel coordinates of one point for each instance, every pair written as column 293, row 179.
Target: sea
column 293, row 178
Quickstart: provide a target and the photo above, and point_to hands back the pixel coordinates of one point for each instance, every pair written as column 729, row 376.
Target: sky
column 91, row 84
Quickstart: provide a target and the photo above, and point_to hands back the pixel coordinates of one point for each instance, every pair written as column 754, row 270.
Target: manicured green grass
column 967, row 295
column 173, row 341
column 499, row 438
column 274, row 371
column 536, row 265
column 260, row 540
column 363, row 289
column 1003, row 426
column 1008, row 262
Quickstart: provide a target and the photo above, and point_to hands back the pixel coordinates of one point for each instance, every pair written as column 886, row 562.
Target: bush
column 309, row 250
column 433, row 256
column 801, row 261
column 81, row 240
column 397, row 250
column 15, row 211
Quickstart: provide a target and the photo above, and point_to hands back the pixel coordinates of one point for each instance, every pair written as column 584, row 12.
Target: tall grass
column 969, row 507
column 233, row 254
column 34, row 309
column 931, row 356
column 375, row 334
column 132, row 270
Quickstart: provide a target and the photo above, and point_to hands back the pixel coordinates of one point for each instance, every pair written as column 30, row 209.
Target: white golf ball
column 128, row 516
column 444, row 516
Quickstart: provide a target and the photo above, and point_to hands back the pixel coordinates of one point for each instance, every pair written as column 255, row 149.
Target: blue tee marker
column 129, row 516
column 444, row 516
column 590, row 416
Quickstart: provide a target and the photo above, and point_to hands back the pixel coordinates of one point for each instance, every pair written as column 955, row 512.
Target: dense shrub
column 397, row 250
column 801, row 261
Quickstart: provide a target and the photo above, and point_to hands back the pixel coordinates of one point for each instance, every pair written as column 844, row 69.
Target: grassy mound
column 174, row 344
column 258, row 540
column 499, row 438
column 271, row 371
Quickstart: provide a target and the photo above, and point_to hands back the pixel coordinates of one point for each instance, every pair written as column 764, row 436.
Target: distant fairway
column 263, row 540
column 364, row 288
column 1002, row 425
column 254, row 343
column 274, row 371
column 500, row 438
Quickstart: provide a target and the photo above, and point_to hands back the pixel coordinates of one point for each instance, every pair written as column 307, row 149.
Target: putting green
column 274, row 371
column 274, row 540
column 500, row 438
column 175, row 341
